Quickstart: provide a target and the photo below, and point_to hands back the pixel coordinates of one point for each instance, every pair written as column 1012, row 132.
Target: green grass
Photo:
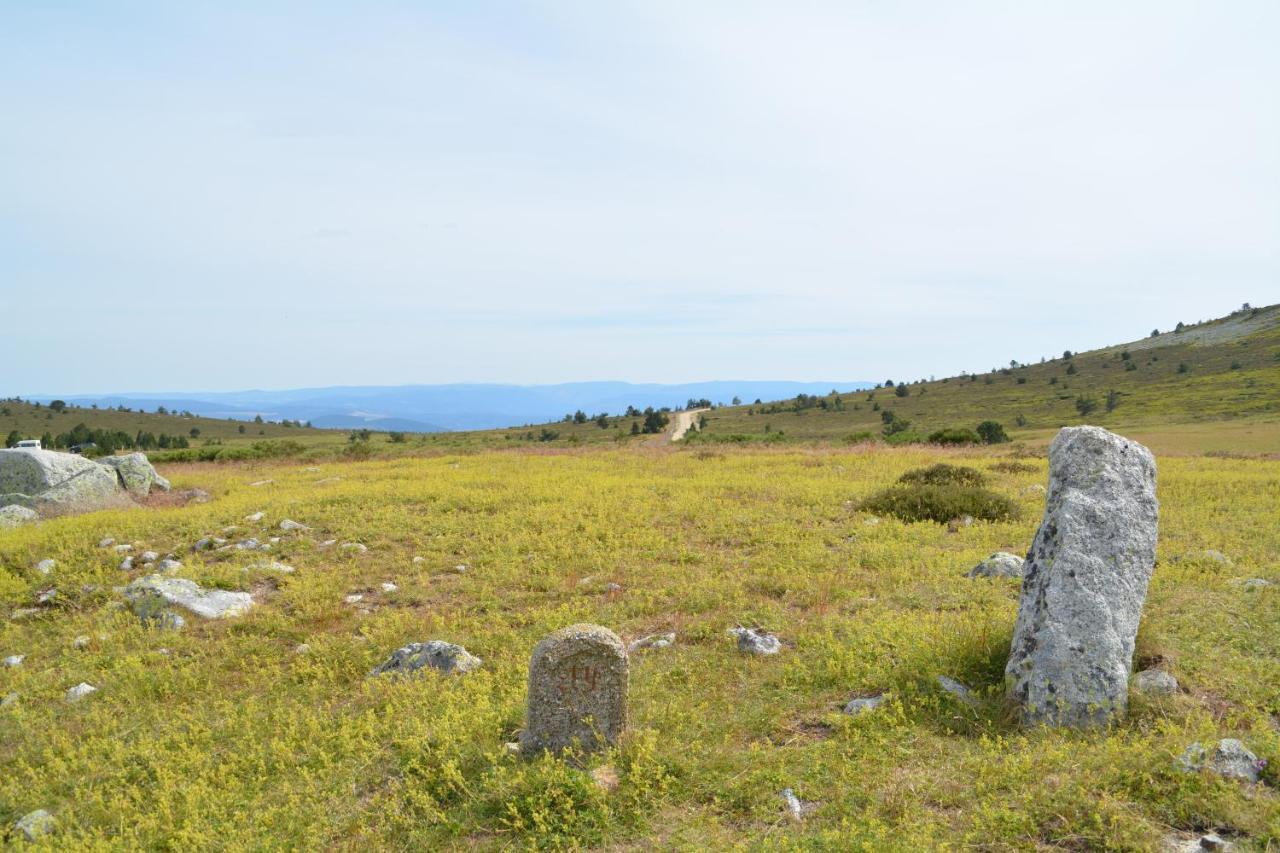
column 1229, row 388
column 221, row 736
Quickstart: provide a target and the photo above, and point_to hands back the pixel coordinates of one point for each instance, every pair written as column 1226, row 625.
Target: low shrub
column 1010, row 467
column 955, row 435
column 940, row 503
column 862, row 436
column 943, row 474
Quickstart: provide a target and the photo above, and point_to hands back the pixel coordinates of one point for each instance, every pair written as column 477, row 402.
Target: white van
column 33, row 443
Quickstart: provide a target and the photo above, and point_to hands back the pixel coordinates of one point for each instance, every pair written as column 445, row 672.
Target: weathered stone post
column 1085, row 581
column 577, row 690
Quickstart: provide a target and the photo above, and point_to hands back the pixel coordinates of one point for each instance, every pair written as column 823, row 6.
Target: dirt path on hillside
column 681, row 423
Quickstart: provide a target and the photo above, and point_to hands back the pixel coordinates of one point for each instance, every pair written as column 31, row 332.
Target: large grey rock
column 578, row 680
column 437, row 654
column 1230, row 758
column 998, row 565
column 1085, row 581
column 149, row 596
column 136, row 474
column 64, row 482
column 14, row 515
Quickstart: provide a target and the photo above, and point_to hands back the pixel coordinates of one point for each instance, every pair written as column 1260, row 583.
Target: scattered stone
column 81, row 642
column 354, row 598
column 204, row 544
column 461, row 568
column 863, row 703
column 24, row 612
column 437, row 654
column 1155, row 682
column 262, row 483
column 1229, row 759
column 81, row 690
column 274, row 539
column 123, row 549
column 249, row 544
column 797, row 809
column 167, row 565
column 46, row 566
column 14, row 660
column 14, row 515
column 1034, row 489
column 301, row 649
column 9, row 699
column 1213, row 842
column 613, row 587
column 136, row 474
column 147, row 593
column 257, row 516
column 653, row 641
column 958, row 690
column 106, row 543
column 46, row 596
column 328, row 543
column 270, row 566
column 1217, row 557
column 34, row 824
column 756, row 642
column 356, row 547
column 126, row 565
column 417, row 560
column 1256, row 583
column 578, row 679
column 998, row 565
column 387, row 586
column 606, row 778
column 1085, row 581
column 148, row 556
column 290, row 524
column 512, row 747
column 871, row 520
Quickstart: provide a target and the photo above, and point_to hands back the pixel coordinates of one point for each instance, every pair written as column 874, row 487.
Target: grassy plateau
column 226, row 736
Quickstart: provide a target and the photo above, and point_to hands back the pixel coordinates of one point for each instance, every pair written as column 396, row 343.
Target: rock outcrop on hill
column 48, row 482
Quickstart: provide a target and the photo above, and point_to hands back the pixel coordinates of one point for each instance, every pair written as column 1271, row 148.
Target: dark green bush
column 1011, row 467
column 992, row 432
column 924, row 502
column 955, row 435
column 943, row 474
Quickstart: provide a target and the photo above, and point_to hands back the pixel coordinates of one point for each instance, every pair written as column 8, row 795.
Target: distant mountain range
column 441, row 408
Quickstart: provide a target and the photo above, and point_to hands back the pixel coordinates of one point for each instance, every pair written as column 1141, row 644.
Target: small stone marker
column 577, row 690
column 1085, row 581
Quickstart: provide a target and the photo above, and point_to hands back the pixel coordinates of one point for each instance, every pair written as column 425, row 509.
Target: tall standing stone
column 577, row 690
column 1085, row 581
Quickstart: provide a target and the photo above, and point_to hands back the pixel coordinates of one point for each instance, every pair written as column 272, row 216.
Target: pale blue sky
column 231, row 195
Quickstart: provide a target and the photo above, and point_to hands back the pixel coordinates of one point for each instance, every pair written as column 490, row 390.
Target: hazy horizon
column 222, row 196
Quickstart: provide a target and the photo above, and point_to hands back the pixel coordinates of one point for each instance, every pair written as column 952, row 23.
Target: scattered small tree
column 1113, row 400
column 1085, row 405
column 901, row 391
column 992, row 432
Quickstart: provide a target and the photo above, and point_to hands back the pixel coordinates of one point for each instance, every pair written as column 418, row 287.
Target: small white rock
column 461, row 568
column 47, row 565
column 257, row 516
column 355, row 547
column 81, row 642
column 389, row 587
column 262, row 483
column 81, row 690
column 301, row 649
column 167, row 565
column 290, row 524
column 126, row 565
column 148, row 556
column 34, row 824
column 14, row 660
column 419, row 560
column 354, row 598
column 106, row 543
column 123, row 549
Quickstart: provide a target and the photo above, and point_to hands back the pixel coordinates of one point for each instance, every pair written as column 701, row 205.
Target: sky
column 215, row 196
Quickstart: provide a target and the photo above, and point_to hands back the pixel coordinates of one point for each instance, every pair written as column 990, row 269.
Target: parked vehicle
column 29, row 442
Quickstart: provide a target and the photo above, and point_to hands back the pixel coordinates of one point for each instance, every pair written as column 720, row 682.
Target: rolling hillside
column 1220, row 378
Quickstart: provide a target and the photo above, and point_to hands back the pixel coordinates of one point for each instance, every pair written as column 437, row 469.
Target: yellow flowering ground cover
column 226, row 736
